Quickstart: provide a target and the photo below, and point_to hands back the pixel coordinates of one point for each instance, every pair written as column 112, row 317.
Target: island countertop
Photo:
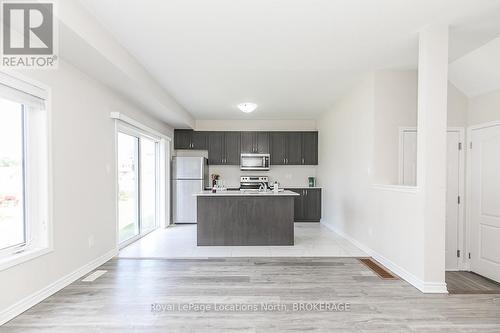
column 285, row 193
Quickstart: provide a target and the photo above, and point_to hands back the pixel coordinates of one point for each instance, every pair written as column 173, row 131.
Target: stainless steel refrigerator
column 189, row 176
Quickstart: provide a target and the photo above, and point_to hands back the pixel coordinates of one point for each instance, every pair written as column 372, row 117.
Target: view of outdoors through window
column 128, row 166
column 148, row 184
column 137, row 182
column 12, row 220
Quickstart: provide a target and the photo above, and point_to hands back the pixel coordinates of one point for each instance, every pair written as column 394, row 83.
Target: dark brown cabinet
column 309, row 148
column 224, row 148
column 232, row 148
column 285, row 148
column 189, row 139
column 294, row 148
column 307, row 206
column 278, row 148
column 255, row 142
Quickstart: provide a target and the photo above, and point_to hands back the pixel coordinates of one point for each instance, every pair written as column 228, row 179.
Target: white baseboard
column 35, row 298
column 425, row 287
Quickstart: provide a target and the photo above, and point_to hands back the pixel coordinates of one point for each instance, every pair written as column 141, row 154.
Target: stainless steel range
column 254, row 183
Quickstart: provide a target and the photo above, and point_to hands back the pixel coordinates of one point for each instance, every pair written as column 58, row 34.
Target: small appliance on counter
column 312, row 181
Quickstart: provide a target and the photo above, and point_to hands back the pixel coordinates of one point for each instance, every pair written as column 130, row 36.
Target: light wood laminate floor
column 120, row 300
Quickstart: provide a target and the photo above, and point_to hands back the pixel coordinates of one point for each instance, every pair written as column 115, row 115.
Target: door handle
column 302, row 160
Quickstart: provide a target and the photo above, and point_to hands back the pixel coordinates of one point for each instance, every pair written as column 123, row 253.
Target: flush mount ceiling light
column 247, row 107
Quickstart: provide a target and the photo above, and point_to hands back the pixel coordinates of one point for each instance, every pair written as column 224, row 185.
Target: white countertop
column 285, row 193
column 305, row 187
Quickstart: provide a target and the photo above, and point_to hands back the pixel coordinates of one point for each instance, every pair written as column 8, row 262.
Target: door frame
column 469, row 184
column 463, row 191
column 130, row 126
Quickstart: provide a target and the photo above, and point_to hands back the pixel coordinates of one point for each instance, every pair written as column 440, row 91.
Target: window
column 12, row 175
column 23, row 171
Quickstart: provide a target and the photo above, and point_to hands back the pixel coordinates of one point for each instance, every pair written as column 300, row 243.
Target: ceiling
column 292, row 57
column 478, row 72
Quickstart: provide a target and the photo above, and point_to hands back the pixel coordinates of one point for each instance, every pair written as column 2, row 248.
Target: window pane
column 128, row 201
column 12, row 226
column 148, row 185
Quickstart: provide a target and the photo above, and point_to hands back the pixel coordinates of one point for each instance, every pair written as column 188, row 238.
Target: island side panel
column 245, row 220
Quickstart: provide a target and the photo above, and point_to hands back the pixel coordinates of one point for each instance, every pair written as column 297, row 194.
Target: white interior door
column 408, row 160
column 452, row 201
column 485, row 201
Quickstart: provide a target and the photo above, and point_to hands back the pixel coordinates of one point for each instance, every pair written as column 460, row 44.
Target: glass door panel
column 128, row 191
column 148, row 185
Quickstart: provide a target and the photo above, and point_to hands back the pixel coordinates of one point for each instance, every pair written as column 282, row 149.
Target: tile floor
column 179, row 241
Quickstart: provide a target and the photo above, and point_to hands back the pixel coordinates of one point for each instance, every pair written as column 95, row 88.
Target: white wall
column 345, row 159
column 384, row 220
column 458, row 105
column 377, row 219
column 256, row 125
column 396, row 106
column 83, row 179
column 484, row 108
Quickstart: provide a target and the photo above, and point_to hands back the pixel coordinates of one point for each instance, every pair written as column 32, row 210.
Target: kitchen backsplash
column 287, row 176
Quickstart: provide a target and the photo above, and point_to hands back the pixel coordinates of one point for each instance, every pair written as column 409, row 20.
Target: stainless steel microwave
column 255, row 162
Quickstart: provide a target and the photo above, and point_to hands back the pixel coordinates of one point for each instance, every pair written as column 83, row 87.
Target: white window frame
column 38, row 175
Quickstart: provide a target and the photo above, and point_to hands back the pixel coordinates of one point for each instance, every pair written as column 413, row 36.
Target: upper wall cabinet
column 294, row 148
column 224, row 148
column 254, row 142
column 309, row 148
column 189, row 139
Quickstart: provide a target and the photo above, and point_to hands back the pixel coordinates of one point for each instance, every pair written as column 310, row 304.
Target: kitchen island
column 241, row 218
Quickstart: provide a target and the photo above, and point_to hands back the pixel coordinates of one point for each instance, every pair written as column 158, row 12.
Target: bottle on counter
column 276, row 187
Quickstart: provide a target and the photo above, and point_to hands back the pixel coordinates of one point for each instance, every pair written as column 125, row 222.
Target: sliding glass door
column 148, row 180
column 137, row 163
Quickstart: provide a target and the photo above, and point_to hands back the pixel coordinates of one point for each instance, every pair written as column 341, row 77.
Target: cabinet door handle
column 302, row 160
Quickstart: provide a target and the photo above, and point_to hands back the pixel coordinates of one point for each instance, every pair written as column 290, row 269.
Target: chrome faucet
column 263, row 187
